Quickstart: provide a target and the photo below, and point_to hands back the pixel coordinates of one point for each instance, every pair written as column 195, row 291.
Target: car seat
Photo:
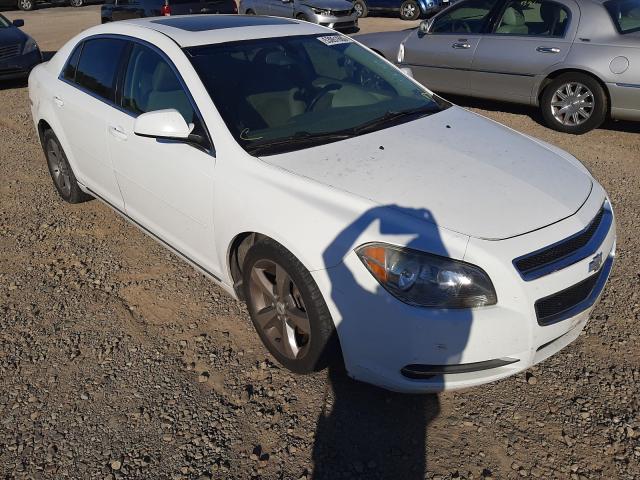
column 513, row 22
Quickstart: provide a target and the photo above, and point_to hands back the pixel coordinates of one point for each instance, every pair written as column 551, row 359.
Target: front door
column 529, row 37
column 441, row 59
column 167, row 186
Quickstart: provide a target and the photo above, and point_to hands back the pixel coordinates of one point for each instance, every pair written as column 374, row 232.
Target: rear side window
column 70, row 68
column 98, row 67
column 625, row 15
column 540, row 18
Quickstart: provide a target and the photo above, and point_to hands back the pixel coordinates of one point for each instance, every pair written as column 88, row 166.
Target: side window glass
column 150, row 84
column 540, row 18
column 69, row 72
column 98, row 67
column 467, row 17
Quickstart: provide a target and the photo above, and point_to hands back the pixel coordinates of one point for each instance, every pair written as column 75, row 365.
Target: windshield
column 287, row 93
column 4, row 23
column 625, row 14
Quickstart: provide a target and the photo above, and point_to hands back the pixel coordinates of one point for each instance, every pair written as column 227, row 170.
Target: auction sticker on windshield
column 335, row 39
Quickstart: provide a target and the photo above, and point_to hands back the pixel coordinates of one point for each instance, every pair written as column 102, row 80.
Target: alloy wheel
column 280, row 313
column 572, row 104
column 357, row 7
column 59, row 168
column 76, row 3
column 408, row 10
column 26, row 4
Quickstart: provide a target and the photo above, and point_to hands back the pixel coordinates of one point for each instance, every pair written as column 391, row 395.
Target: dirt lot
column 119, row 361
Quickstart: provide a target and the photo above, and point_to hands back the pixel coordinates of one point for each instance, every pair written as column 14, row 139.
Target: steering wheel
column 458, row 26
column 330, row 87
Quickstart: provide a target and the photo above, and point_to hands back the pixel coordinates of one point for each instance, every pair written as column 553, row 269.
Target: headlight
column 29, row 46
column 401, row 53
column 426, row 280
column 319, row 11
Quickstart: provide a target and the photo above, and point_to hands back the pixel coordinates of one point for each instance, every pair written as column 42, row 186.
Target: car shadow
column 365, row 431
column 532, row 112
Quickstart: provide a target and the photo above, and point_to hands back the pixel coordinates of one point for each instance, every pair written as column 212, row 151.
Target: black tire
column 361, row 8
column 61, row 173
column 322, row 348
column 26, row 5
column 250, row 12
column 409, row 10
column 598, row 99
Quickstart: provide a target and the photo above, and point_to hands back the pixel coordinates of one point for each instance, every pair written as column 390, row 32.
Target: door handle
column 58, row 101
column 118, row 132
column 548, row 50
column 458, row 45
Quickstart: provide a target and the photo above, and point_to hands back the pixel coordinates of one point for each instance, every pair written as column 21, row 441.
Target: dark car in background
column 31, row 4
column 114, row 10
column 407, row 9
column 19, row 53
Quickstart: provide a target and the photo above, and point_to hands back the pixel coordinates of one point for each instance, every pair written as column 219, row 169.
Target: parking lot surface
column 117, row 360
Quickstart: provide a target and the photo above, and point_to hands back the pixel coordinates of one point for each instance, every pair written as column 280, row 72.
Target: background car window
column 533, row 17
column 98, row 66
column 69, row 72
column 468, row 17
column 625, row 14
column 150, row 84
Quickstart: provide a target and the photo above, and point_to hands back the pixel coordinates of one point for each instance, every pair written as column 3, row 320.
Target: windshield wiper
column 298, row 139
column 391, row 117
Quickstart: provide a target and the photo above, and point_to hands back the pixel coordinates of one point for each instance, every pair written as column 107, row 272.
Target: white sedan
column 363, row 219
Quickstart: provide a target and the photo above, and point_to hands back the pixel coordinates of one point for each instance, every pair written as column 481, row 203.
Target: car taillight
column 165, row 10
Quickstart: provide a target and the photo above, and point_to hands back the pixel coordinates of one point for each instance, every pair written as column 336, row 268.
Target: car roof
column 193, row 30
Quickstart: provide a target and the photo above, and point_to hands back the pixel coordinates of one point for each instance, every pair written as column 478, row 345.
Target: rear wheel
column 409, row 10
column 574, row 103
column 360, row 7
column 26, row 4
column 60, row 170
column 287, row 309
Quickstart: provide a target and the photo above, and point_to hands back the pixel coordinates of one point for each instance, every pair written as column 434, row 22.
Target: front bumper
column 342, row 23
column 409, row 349
column 19, row 66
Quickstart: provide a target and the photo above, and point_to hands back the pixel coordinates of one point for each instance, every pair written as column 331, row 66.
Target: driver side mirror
column 163, row 124
column 18, row 23
column 425, row 26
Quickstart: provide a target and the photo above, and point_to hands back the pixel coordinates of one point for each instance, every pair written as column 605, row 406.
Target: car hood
column 330, row 4
column 11, row 36
column 476, row 176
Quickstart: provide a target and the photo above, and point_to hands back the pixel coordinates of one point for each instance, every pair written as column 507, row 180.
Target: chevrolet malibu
column 365, row 221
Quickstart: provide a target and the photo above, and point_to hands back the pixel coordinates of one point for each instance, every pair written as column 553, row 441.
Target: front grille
column 9, row 51
column 12, row 71
column 551, row 309
column 568, row 251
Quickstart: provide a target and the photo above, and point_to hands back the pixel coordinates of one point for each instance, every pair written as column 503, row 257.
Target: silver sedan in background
column 578, row 60
column 336, row 14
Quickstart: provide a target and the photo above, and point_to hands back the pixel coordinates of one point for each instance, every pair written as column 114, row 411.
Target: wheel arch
column 556, row 73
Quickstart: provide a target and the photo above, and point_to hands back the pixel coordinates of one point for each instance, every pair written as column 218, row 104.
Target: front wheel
column 360, row 7
column 574, row 103
column 26, row 4
column 409, row 10
column 287, row 309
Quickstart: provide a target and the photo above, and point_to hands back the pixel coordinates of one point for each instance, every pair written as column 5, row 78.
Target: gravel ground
column 119, row 361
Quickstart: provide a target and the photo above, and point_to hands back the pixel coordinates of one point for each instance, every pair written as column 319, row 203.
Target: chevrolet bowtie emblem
column 595, row 263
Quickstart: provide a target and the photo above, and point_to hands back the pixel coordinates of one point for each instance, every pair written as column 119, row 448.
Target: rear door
column 527, row 38
column 85, row 96
column 441, row 59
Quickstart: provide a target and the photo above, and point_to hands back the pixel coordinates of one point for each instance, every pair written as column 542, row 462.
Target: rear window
column 625, row 15
column 98, row 66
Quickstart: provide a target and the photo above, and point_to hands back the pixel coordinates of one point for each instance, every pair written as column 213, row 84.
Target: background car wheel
column 76, row 3
column 360, row 8
column 301, row 16
column 60, row 170
column 250, row 12
column 574, row 103
column 26, row 4
column 409, row 10
column 287, row 309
